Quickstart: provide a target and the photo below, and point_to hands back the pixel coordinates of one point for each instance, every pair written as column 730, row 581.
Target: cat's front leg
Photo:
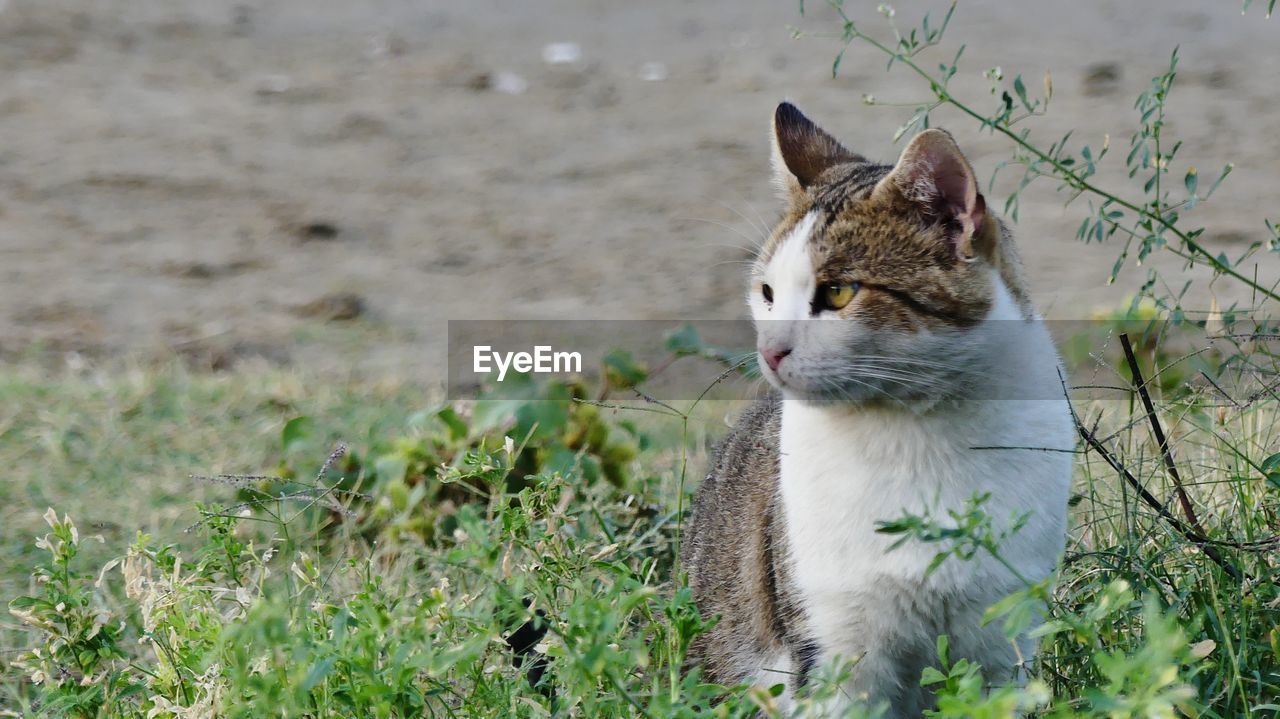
column 884, row 674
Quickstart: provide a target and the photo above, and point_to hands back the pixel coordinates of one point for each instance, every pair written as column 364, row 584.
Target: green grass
column 396, row 597
column 115, row 449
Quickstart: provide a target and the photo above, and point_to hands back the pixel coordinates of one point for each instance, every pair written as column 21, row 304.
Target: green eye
column 836, row 297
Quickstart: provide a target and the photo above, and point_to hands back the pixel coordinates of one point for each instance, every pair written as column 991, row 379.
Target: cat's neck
column 884, row 457
column 1010, row 356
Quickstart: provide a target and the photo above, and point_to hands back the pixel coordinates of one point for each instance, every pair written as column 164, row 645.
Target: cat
column 910, row 372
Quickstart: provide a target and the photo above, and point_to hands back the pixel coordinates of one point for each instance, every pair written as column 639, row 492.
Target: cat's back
column 733, row 552
column 742, row 477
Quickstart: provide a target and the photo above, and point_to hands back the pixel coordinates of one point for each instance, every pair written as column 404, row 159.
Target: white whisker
column 752, row 249
column 762, row 228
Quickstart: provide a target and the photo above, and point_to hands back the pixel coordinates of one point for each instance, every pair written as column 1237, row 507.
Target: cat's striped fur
column 879, row 405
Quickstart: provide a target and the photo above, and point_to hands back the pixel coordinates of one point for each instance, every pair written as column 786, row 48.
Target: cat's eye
column 836, row 297
column 767, row 291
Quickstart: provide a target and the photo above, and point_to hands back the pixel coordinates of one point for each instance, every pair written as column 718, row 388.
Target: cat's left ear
column 933, row 172
column 802, row 151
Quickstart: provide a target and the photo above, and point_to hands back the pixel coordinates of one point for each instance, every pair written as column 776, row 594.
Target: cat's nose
column 773, row 356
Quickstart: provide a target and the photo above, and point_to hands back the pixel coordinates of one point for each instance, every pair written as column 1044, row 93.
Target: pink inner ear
column 959, row 192
column 939, row 176
column 955, row 186
column 934, row 174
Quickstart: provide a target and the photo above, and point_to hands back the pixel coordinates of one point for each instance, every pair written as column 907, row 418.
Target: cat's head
column 872, row 285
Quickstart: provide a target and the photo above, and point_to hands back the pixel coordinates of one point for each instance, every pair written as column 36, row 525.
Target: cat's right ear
column 933, row 173
column 802, row 151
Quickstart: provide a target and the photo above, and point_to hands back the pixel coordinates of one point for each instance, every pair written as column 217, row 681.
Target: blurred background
column 325, row 182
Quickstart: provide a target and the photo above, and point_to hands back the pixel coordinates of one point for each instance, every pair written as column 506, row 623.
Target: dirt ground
column 327, row 181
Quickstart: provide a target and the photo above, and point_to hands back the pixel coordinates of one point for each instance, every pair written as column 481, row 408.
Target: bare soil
column 327, row 182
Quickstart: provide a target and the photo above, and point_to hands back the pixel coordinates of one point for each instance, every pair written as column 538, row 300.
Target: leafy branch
column 1148, row 221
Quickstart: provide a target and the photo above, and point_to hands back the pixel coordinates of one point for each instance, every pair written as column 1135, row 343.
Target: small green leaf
column 1021, row 90
column 25, row 603
column 835, row 65
column 1084, row 229
column 931, row 676
column 295, row 432
column 623, row 370
column 897, row 526
column 1271, row 464
column 457, row 427
column 938, row 560
column 544, row 418
column 492, row 415
column 684, row 340
column 1226, row 170
column 317, row 673
column 1191, row 180
column 1271, row 470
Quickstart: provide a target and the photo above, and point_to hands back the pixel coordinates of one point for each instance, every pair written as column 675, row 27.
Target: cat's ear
column 933, row 172
column 802, row 151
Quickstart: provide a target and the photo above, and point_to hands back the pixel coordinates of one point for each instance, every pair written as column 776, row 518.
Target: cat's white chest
column 842, row 473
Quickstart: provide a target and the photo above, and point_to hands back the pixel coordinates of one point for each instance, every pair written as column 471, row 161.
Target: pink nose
column 773, row 356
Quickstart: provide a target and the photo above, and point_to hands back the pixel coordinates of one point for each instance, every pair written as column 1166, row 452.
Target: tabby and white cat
column 912, row 373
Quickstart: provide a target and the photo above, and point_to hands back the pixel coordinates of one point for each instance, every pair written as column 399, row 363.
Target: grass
column 459, row 573
column 115, row 449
